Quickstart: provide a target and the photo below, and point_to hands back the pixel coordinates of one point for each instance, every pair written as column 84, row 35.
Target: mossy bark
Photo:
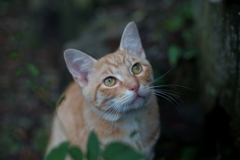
column 218, row 28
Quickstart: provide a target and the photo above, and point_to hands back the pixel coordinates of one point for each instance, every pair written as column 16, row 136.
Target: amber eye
column 110, row 81
column 137, row 68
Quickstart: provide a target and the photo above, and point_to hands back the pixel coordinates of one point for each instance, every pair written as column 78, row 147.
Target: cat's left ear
column 131, row 41
column 79, row 65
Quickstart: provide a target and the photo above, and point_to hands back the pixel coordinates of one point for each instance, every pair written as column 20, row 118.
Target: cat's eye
column 110, row 81
column 137, row 68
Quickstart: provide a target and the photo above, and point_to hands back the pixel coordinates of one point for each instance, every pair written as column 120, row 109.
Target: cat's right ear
column 131, row 41
column 79, row 65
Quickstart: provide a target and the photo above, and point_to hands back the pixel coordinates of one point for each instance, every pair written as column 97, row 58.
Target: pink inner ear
column 79, row 65
column 85, row 78
column 131, row 41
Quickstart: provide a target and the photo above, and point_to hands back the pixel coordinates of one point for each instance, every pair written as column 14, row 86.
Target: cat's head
column 116, row 83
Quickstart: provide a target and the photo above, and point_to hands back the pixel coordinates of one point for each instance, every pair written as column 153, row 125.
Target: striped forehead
column 116, row 60
column 116, row 63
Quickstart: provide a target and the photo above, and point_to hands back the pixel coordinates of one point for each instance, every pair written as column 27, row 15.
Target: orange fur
column 91, row 106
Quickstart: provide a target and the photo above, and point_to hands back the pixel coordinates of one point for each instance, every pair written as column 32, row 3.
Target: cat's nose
column 134, row 87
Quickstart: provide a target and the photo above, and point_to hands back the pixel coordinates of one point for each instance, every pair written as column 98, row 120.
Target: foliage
column 120, row 152
column 93, row 147
column 58, row 153
column 189, row 153
column 40, row 90
column 113, row 151
column 33, row 70
column 173, row 55
column 180, row 25
column 76, row 153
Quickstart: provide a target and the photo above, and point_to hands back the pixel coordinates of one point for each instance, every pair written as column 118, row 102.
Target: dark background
column 33, row 36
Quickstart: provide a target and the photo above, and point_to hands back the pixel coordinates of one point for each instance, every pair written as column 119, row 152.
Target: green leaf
column 120, row 151
column 19, row 72
column 47, row 85
column 14, row 55
column 191, row 53
column 18, row 36
column 133, row 134
column 173, row 55
column 31, row 85
column 189, row 153
column 52, row 105
column 76, row 153
column 93, row 147
column 188, row 35
column 137, row 119
column 59, row 152
column 59, row 101
column 185, row 10
column 33, row 70
column 174, row 24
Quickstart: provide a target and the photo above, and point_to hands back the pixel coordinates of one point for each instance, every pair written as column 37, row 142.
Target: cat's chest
column 135, row 133
column 131, row 131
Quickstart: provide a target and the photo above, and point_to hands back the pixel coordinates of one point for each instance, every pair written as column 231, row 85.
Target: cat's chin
column 137, row 101
column 114, row 114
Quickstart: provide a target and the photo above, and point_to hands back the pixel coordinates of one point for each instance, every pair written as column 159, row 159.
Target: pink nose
column 134, row 87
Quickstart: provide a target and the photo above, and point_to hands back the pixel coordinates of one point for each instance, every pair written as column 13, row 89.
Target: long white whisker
column 167, row 92
column 115, row 109
column 169, row 98
column 98, row 116
column 171, row 85
column 162, row 76
column 170, row 94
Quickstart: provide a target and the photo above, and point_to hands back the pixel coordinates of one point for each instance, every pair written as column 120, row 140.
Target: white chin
column 137, row 103
column 133, row 105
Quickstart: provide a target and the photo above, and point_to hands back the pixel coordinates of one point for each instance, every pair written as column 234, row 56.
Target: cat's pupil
column 136, row 68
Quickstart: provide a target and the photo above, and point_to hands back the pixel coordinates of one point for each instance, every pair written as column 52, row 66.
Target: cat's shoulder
column 72, row 96
column 73, row 88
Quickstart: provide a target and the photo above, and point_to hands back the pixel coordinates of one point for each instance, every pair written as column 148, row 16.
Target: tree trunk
column 218, row 26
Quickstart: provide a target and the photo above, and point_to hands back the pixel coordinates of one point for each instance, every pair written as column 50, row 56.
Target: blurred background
column 197, row 41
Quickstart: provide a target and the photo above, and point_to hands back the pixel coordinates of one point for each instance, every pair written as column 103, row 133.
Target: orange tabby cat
column 112, row 96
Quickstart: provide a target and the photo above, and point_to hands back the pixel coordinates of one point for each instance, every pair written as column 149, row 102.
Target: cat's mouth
column 137, row 98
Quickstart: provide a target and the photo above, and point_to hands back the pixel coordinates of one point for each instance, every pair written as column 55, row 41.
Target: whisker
column 171, row 94
column 157, row 79
column 171, row 85
column 98, row 116
column 168, row 92
column 171, row 100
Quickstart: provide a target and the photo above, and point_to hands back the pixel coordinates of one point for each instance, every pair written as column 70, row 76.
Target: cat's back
column 72, row 100
column 68, row 120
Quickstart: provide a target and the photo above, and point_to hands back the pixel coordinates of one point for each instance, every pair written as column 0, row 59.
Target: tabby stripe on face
column 103, row 102
column 129, row 61
column 95, row 95
column 112, row 64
